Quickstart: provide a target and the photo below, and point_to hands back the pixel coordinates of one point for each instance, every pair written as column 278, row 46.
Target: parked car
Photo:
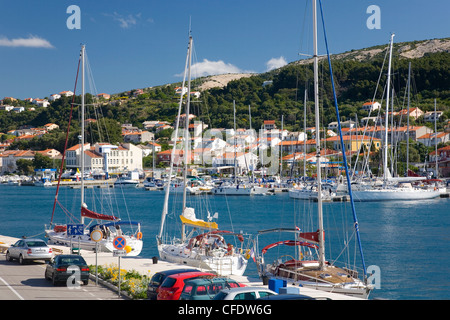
column 243, row 293
column 29, row 250
column 173, row 285
column 62, row 267
column 290, row 296
column 159, row 277
column 206, row 289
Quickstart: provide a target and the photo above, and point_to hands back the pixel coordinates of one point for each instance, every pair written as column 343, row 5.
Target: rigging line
column 166, row 194
column 370, row 111
column 65, row 143
column 343, row 146
column 93, row 88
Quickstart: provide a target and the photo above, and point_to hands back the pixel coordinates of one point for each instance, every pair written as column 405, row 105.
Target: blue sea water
column 409, row 241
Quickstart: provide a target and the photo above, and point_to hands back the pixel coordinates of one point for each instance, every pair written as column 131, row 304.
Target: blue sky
column 141, row 43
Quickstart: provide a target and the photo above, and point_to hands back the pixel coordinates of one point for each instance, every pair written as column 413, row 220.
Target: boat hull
column 239, row 191
column 394, row 194
column 84, row 242
column 302, row 194
column 219, row 263
column 330, row 278
column 126, row 184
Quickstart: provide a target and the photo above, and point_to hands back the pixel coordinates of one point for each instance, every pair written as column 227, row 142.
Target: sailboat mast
column 187, row 140
column 407, row 120
column 234, row 125
column 82, row 128
column 167, row 191
column 387, row 109
column 305, row 136
column 435, row 143
column 319, row 177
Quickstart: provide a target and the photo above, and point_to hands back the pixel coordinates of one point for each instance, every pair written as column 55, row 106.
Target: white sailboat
column 235, row 188
column 307, row 266
column 67, row 235
column 131, row 180
column 389, row 190
column 204, row 247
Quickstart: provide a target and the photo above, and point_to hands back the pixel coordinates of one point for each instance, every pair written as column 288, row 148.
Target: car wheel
column 55, row 283
column 21, row 259
column 86, row 282
column 8, row 256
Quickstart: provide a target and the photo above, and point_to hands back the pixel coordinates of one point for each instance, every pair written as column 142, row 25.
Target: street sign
column 75, row 229
column 119, row 242
column 119, row 253
column 96, row 235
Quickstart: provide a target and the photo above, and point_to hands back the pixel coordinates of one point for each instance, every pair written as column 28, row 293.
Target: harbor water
column 409, row 241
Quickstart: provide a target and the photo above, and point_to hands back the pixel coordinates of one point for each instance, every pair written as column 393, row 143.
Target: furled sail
column 85, row 212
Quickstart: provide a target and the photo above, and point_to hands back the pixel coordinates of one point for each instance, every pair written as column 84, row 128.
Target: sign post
column 75, row 230
column 96, row 236
column 119, row 243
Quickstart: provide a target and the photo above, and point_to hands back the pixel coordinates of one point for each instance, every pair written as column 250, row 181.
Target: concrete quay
column 146, row 266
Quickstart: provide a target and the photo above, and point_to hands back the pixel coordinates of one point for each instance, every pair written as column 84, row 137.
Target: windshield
column 157, row 279
column 36, row 244
column 220, row 296
column 168, row 283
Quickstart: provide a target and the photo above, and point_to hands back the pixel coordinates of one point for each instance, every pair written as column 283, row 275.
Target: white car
column 29, row 250
column 243, row 293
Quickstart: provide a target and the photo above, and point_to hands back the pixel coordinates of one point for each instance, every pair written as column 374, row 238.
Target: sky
column 142, row 43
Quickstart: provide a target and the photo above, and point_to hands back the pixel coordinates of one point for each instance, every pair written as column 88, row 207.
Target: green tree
column 42, row 162
column 24, row 166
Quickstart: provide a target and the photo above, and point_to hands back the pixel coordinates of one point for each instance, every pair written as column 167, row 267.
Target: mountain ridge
column 408, row 50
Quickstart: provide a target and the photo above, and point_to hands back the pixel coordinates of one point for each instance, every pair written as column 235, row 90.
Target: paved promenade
column 148, row 267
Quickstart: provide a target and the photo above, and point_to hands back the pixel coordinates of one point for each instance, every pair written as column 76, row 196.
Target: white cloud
column 30, row 42
column 127, row 21
column 208, row 68
column 276, row 63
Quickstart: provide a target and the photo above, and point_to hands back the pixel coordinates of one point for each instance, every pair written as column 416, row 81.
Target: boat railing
column 222, row 265
column 296, row 276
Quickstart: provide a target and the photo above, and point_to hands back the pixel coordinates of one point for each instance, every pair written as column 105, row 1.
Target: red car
column 173, row 285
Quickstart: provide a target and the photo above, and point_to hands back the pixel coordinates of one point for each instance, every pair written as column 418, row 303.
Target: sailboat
column 204, row 246
column 235, row 187
column 308, row 266
column 78, row 232
column 389, row 190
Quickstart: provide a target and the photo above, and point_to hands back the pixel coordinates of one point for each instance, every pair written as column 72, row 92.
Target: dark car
column 205, row 288
column 159, row 277
column 67, row 268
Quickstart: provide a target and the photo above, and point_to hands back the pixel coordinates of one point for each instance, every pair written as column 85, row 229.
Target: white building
column 41, row 103
column 371, row 106
column 106, row 157
column 66, row 93
column 6, row 107
column 54, row 97
column 137, row 136
column 431, row 139
column 432, row 116
column 244, row 161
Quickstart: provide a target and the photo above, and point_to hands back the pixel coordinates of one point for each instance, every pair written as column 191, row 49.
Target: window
column 187, row 289
column 264, row 294
column 201, row 290
column 168, row 283
column 245, row 296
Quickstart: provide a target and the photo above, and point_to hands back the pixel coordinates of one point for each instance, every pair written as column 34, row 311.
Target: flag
column 252, row 254
column 297, row 228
